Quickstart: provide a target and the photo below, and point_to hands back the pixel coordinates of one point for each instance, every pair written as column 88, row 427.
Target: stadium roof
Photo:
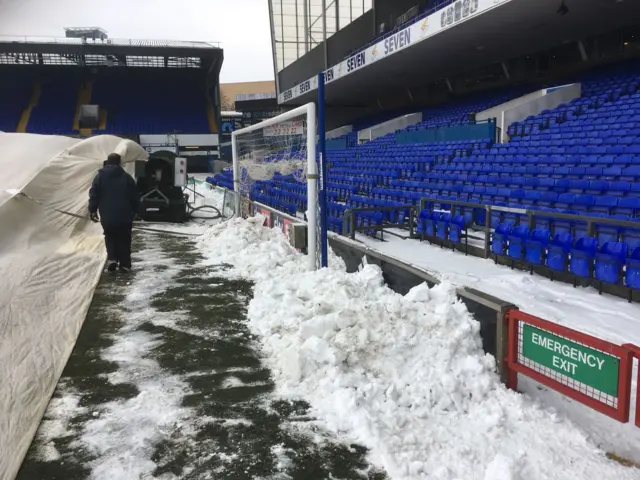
column 509, row 29
column 108, row 52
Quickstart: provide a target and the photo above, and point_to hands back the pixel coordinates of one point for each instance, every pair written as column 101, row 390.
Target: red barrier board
column 636, row 352
column 587, row 369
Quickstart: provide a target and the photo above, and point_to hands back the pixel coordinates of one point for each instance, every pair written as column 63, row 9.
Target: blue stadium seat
column 632, row 273
column 457, row 227
column 582, row 256
column 517, row 240
column 609, row 262
column 628, row 206
column 605, row 204
column 421, row 221
column 558, row 252
column 430, row 224
column 631, row 237
column 500, row 237
column 536, row 245
column 442, row 226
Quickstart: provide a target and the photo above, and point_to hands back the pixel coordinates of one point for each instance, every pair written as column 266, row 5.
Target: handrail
column 349, row 219
column 531, row 214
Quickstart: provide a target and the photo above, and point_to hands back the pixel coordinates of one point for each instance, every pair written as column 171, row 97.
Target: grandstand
column 562, row 182
column 159, row 93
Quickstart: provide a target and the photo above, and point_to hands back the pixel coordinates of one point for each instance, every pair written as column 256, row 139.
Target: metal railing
column 349, row 219
column 487, row 210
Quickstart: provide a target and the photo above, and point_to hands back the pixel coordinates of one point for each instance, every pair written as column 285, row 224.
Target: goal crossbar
column 309, row 111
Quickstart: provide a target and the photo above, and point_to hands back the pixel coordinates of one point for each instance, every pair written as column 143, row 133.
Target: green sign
column 579, row 362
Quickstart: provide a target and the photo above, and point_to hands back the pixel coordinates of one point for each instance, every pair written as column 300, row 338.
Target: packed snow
column 603, row 316
column 404, row 376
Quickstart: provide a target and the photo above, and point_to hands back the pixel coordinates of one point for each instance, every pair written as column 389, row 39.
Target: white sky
column 241, row 26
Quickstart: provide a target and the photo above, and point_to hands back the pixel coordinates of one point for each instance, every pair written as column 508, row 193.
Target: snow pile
column 404, row 376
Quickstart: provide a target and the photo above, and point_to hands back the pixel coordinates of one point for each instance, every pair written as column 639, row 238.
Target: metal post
column 412, row 215
column 236, row 171
column 487, row 231
column 502, row 347
column 322, row 198
column 352, row 221
column 307, row 34
column 274, row 47
column 324, row 34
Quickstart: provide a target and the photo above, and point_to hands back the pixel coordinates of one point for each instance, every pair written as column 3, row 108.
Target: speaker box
column 89, row 116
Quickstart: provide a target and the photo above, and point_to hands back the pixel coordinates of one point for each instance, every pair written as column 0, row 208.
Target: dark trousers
column 118, row 241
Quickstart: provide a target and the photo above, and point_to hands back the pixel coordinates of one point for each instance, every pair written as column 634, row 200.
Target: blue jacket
column 114, row 194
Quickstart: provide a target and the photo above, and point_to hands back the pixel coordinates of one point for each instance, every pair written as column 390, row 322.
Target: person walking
column 114, row 195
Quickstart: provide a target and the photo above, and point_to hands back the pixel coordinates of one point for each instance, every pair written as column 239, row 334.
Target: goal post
column 275, row 160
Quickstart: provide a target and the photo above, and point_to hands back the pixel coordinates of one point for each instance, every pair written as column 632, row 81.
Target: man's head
column 114, row 159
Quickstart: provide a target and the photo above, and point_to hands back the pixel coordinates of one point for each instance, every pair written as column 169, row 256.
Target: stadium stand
column 55, row 108
column 134, row 101
column 581, row 158
column 15, row 93
column 145, row 102
column 141, row 87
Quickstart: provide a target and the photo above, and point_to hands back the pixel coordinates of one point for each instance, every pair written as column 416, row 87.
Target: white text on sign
column 568, row 352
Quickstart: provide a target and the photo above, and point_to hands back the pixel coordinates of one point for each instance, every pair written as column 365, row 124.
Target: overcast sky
column 242, row 26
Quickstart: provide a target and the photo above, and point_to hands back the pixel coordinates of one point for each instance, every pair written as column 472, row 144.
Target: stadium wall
column 358, row 33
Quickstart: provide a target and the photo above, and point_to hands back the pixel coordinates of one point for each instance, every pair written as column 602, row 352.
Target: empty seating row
column 608, row 263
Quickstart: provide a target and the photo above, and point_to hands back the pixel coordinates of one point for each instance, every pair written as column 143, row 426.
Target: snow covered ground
column 404, row 376
column 603, row 316
column 166, row 382
column 583, row 309
column 118, row 437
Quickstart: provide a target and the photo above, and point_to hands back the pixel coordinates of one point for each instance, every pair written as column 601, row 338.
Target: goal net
column 274, row 164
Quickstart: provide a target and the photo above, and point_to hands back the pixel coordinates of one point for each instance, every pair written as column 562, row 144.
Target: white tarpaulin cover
column 50, row 264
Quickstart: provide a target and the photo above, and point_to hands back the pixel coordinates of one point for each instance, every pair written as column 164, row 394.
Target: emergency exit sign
column 578, row 362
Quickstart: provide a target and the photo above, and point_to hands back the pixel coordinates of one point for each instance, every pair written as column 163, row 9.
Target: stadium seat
column 558, row 252
column 442, row 226
column 421, row 221
column 536, row 245
column 517, row 239
column 500, row 238
column 609, row 262
column 632, row 273
column 582, row 256
column 430, row 224
column 457, row 228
